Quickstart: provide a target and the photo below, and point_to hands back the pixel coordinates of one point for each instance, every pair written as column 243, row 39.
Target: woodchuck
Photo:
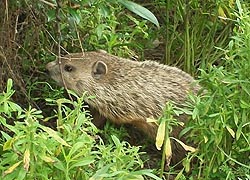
column 125, row 91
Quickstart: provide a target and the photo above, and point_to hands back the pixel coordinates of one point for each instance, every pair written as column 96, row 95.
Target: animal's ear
column 99, row 69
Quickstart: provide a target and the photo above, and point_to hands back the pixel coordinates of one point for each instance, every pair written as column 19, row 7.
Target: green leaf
column 99, row 30
column 244, row 104
column 10, row 127
column 100, row 172
column 239, row 7
column 15, row 107
column 135, row 177
column 195, row 113
column 185, row 130
column 5, row 135
column 186, row 111
column 82, row 162
column 59, row 165
column 9, row 85
column 51, row 15
column 146, row 172
column 22, row 174
column 77, row 146
column 236, row 119
column 239, row 131
column 54, row 135
column 140, row 11
column 116, row 141
column 74, row 16
column 104, row 10
column 8, row 144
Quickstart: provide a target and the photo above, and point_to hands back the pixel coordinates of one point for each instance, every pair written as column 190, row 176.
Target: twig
column 48, row 3
column 7, row 11
column 58, row 7
column 17, row 80
column 34, row 16
column 78, row 36
column 15, row 32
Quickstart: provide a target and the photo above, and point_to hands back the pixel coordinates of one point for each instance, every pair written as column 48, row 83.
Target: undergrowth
column 210, row 40
column 220, row 117
column 30, row 150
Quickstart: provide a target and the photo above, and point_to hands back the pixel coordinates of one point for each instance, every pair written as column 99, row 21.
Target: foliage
column 97, row 25
column 35, row 151
column 205, row 38
column 220, row 116
column 166, row 123
column 192, row 30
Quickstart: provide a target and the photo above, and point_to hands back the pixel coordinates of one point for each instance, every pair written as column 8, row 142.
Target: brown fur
column 126, row 91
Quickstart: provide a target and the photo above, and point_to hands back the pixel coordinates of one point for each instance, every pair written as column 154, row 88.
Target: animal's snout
column 50, row 68
column 46, row 71
column 51, row 65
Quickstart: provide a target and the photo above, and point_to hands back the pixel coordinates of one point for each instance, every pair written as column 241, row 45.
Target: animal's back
column 133, row 91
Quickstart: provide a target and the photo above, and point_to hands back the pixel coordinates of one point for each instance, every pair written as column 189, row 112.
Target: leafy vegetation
column 220, row 117
column 35, row 151
column 47, row 136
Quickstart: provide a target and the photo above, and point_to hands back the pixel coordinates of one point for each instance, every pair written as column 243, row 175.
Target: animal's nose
column 50, row 65
column 46, row 71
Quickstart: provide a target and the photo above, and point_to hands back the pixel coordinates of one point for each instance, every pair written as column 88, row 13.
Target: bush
column 220, row 117
column 74, row 151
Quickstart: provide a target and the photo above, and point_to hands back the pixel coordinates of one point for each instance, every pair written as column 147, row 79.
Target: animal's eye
column 68, row 68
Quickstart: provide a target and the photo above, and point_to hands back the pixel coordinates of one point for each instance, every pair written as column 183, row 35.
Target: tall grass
column 220, row 117
column 192, row 30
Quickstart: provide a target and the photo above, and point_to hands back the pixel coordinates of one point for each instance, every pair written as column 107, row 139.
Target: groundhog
column 126, row 91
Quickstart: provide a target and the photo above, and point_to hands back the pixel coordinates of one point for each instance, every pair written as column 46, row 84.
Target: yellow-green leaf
column 7, row 145
column 12, row 168
column 26, row 159
column 186, row 164
column 231, row 131
column 160, row 135
column 168, row 150
column 205, row 139
column 186, row 147
column 54, row 135
column 179, row 175
column 47, row 159
column 151, row 120
column 221, row 12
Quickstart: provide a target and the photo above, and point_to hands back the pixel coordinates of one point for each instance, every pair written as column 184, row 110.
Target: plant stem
column 167, row 46
column 163, row 157
column 187, row 48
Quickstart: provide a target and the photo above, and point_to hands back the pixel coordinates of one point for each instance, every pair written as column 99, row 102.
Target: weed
column 35, row 151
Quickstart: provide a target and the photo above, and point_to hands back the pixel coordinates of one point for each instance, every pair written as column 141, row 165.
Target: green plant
column 166, row 123
column 192, row 31
column 220, row 115
column 74, row 151
column 97, row 25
